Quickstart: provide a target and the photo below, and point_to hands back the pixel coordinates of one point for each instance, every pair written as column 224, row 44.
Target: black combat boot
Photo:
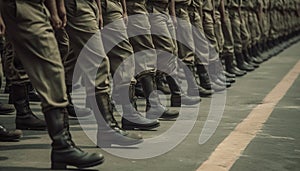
column 178, row 97
column 33, row 94
column 231, row 68
column 9, row 136
column 73, row 110
column 258, row 58
column 194, row 88
column 205, row 81
column 131, row 118
column 25, row 118
column 215, row 69
column 249, row 58
column 154, row 108
column 161, row 83
column 6, row 109
column 241, row 64
column 7, row 86
column 64, row 151
column 139, row 90
column 109, row 131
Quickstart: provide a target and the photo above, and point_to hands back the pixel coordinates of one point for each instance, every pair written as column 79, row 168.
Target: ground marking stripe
column 230, row 149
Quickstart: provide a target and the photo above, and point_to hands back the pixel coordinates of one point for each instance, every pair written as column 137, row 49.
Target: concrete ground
column 276, row 146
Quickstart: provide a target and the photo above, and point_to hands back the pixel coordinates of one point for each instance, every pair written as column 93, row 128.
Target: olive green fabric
column 139, row 24
column 236, row 29
column 228, row 47
column 13, row 68
column 209, row 30
column 31, row 37
column 163, row 35
column 184, row 35
column 200, row 42
column 244, row 31
column 218, row 31
column 82, row 26
column 116, row 44
column 265, row 22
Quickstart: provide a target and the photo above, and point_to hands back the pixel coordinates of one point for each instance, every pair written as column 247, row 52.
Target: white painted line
column 230, row 149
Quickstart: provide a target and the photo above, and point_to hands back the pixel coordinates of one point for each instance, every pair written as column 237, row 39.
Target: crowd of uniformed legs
column 143, row 46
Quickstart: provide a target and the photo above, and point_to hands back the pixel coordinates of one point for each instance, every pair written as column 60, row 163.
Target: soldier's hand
column 125, row 18
column 62, row 15
column 175, row 23
column 56, row 21
column 2, row 26
column 100, row 22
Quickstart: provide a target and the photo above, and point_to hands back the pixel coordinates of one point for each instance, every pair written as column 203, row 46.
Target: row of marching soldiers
column 144, row 45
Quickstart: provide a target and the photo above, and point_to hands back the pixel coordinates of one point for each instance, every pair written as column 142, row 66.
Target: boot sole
column 140, row 127
column 11, row 139
column 109, row 145
column 34, row 129
column 63, row 166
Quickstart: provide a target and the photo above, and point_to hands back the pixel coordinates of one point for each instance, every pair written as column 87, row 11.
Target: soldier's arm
column 100, row 14
column 62, row 11
column 125, row 16
column 55, row 20
column 172, row 11
column 2, row 26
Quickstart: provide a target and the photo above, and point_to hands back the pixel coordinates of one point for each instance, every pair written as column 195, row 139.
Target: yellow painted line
column 230, row 149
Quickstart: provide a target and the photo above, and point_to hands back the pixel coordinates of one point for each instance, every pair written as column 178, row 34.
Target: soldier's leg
column 86, row 42
column 218, row 32
column 228, row 48
column 238, row 46
column 246, row 39
column 4, row 108
column 215, row 68
column 145, row 58
column 165, row 45
column 31, row 37
column 121, row 57
column 68, row 60
column 18, row 96
column 251, row 52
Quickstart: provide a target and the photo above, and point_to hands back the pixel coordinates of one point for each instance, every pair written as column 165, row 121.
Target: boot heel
column 58, row 166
